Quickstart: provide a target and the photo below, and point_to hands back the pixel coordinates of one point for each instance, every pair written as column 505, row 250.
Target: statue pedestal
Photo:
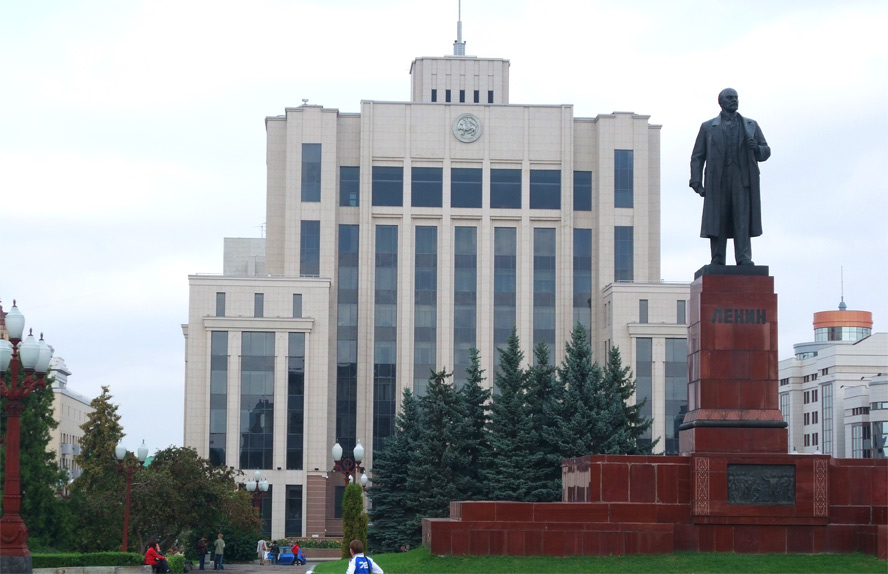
column 732, row 364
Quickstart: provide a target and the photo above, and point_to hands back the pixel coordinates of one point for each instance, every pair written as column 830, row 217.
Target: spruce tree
column 475, row 397
column 581, row 379
column 511, row 435
column 354, row 519
column 395, row 515
column 544, row 400
column 621, row 424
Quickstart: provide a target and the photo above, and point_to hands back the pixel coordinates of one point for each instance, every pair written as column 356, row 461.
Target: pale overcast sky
column 132, row 140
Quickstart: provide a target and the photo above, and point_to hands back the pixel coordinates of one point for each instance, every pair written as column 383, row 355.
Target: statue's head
column 728, row 100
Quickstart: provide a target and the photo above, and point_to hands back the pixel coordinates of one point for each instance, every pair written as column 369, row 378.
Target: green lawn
column 420, row 561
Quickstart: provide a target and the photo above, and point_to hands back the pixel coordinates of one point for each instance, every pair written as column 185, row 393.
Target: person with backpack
column 360, row 564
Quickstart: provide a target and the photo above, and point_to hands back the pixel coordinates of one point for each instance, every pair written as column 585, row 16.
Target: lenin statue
column 730, row 147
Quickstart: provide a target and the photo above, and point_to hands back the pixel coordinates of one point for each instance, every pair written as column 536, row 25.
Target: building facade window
column 265, row 509
column 310, row 248
column 489, row 96
column 505, row 188
column 311, row 172
column 465, row 300
column 347, row 338
column 623, row 178
column 545, row 189
column 841, row 333
column 257, row 400
column 582, row 278
column 826, row 406
column 385, row 331
column 784, row 406
column 644, row 381
column 860, row 441
column 387, row 187
column 220, row 304
column 425, row 307
column 349, row 186
column 297, row 305
column 258, row 305
column 293, row 511
column 505, row 264
column 624, row 258
column 642, row 311
column 462, row 96
column 295, row 399
column 218, row 396
column 425, row 187
column 434, row 95
column 582, row 191
column 681, row 312
column 676, row 390
column 880, row 438
column 476, row 96
column 544, row 287
column 447, row 96
column 465, row 187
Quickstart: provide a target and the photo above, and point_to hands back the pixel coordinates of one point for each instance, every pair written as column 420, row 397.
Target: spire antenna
column 459, row 47
column 842, row 305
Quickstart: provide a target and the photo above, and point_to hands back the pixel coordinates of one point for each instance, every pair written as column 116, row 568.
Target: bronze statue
column 730, row 146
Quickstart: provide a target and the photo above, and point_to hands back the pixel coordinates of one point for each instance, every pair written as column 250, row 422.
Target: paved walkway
column 254, row 568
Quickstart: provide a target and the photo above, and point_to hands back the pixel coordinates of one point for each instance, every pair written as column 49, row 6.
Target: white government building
column 398, row 238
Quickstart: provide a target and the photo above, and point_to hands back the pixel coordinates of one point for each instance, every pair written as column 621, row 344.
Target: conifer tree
column 620, row 424
column 544, row 401
column 396, row 518
column 511, row 435
column 581, row 379
column 475, row 399
column 354, row 519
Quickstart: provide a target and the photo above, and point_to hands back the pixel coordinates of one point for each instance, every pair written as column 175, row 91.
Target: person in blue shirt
column 360, row 564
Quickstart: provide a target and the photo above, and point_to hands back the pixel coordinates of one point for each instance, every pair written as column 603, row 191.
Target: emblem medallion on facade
column 467, row 128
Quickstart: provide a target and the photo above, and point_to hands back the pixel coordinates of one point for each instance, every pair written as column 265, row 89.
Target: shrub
column 70, row 560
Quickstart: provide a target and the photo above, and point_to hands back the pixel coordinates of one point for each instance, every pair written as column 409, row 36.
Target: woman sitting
column 155, row 559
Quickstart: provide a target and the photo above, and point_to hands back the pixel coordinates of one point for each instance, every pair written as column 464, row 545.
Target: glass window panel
column 349, row 185
column 465, row 187
column 505, row 188
column 582, row 191
column 311, row 172
column 623, row 178
column 426, row 186
column 545, row 189
column 387, row 186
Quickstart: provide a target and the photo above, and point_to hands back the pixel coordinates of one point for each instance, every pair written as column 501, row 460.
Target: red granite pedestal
column 735, row 489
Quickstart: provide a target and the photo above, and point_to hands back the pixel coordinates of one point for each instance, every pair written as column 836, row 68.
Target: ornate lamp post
column 350, row 467
column 258, row 487
column 26, row 362
column 130, row 466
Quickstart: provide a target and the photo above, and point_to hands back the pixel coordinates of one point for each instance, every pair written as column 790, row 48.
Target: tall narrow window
column 505, row 265
column 293, row 511
column 447, row 95
column 681, row 315
column 310, row 248
column 347, row 338
column 311, row 172
column 388, row 186
column 220, row 304
column 545, row 189
column 644, row 381
column 258, row 305
column 297, row 305
column 623, row 178
column 477, row 97
column 544, row 287
column 434, row 95
column 623, row 254
column 349, row 185
column 257, row 400
column 295, row 399
column 385, row 331
column 676, row 390
column 827, row 415
column 582, row 278
column 218, row 396
column 642, row 310
column 462, row 96
column 505, row 188
column 425, row 307
column 426, row 187
column 465, row 187
column 489, row 96
column 582, row 191
column 465, row 299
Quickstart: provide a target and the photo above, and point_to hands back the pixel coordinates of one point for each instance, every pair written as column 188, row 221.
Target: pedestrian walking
column 360, row 564
column 219, row 550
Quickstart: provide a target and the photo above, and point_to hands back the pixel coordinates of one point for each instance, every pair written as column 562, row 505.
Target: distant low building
column 834, row 391
column 70, row 410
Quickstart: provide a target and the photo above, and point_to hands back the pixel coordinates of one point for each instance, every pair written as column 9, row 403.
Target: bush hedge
column 311, row 542
column 70, row 560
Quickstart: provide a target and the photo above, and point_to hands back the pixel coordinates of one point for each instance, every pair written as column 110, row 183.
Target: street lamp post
column 258, row 487
column 350, row 467
column 130, row 466
column 31, row 359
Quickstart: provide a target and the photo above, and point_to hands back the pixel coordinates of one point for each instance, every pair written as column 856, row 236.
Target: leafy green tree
column 98, row 493
column 441, row 467
column 582, row 380
column 619, row 424
column 48, row 517
column 474, row 398
column 511, row 433
column 396, row 518
column 354, row 519
column 544, row 399
column 182, row 493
